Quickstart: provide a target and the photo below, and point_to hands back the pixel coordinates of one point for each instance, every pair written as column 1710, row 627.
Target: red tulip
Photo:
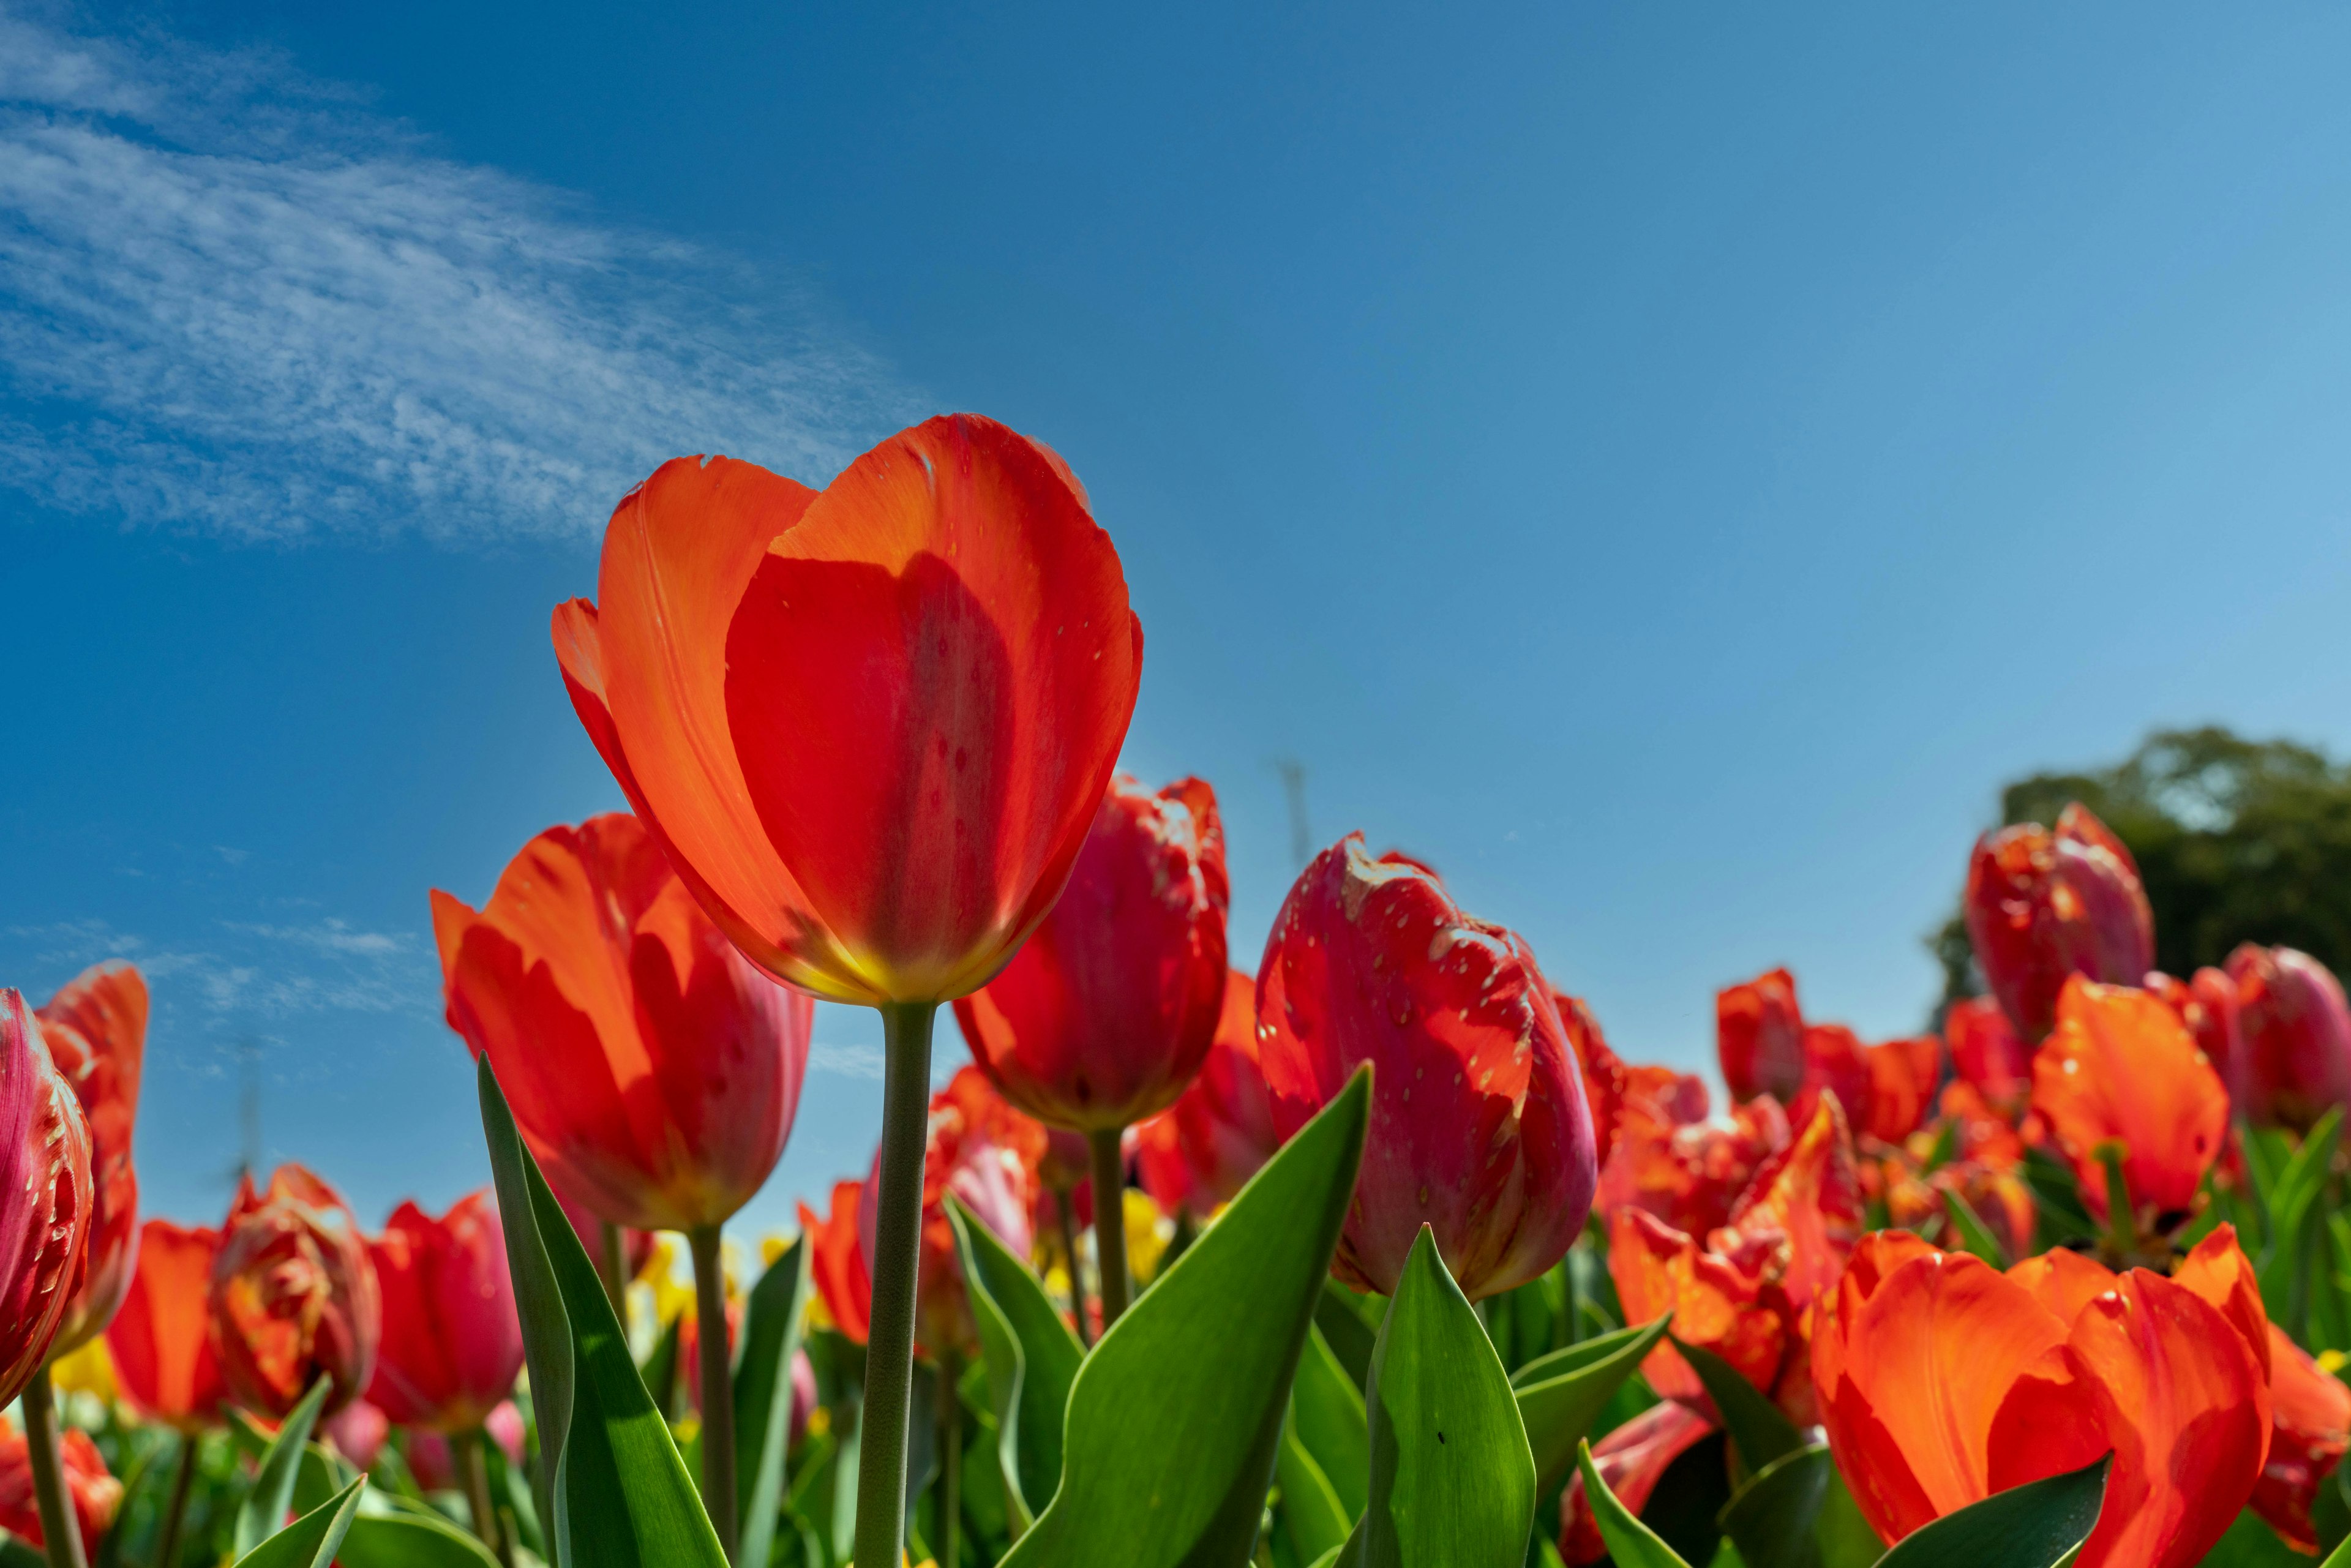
column 2296, row 1034
column 1759, row 1033
column 653, row 1071
column 837, row 1260
column 2206, row 1003
column 2310, row 1429
column 1805, row 1206
column 1719, row 1302
column 95, row 1029
column 870, row 724
column 1606, row 1080
column 162, row 1338
column 358, row 1431
column 45, row 1196
column 451, row 1343
column 1986, row 1050
column 1202, row 1150
column 1902, row 1078
column 293, row 1296
column 2120, row 1066
column 2041, row 906
column 95, row 1492
column 1105, row 1014
column 1630, row 1459
column 1479, row 1126
column 1688, row 1174
column 1942, row 1381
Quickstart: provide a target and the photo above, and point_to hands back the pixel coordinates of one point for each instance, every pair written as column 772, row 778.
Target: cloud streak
column 234, row 301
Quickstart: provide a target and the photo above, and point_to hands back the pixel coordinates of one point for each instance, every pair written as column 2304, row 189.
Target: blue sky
column 1665, row 468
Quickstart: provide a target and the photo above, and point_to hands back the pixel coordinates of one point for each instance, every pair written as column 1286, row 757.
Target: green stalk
column 176, row 1512
column 2122, row 1224
column 897, row 1245
column 60, row 1527
column 1110, row 1221
column 613, row 1267
column 1067, row 1213
column 949, row 1546
column 717, row 1386
column 466, row 1447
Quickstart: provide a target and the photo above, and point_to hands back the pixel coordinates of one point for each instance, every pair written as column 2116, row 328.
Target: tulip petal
column 2119, row 1065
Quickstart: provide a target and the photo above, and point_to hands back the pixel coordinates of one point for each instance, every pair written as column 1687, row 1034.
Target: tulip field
column 1365, row 1249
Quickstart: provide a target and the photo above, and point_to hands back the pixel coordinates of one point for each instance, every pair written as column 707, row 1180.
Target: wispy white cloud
column 233, row 299
column 242, row 973
column 847, row 1061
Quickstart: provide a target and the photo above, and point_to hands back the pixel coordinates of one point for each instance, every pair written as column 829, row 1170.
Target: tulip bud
column 293, row 1296
column 1986, row 1051
column 160, row 1340
column 96, row 1029
column 451, row 1343
column 45, row 1196
column 1479, row 1126
column 2206, row 1003
column 2041, row 906
column 1104, row 1015
column 1758, row 1035
column 2297, row 1036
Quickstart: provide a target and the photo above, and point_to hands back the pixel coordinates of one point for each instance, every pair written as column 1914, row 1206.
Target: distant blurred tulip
column 162, row 1338
column 1105, row 1014
column 2120, row 1066
column 2041, row 906
column 1986, row 1052
column 434, row 1466
column 358, row 1431
column 96, row 1029
column 1630, row 1459
column 837, row 1260
column 1479, row 1126
column 870, row 724
column 45, row 1196
column 636, row 1246
column 1902, row 1078
column 451, row 1343
column 2297, row 1036
column 652, row 1069
column 1688, row 1174
column 1759, row 1033
column 1606, row 1080
column 293, row 1296
column 804, row 1397
column 96, row 1494
column 2310, row 1429
column 2206, row 1003
column 1803, row 1207
column 1200, row 1151
column 1719, row 1302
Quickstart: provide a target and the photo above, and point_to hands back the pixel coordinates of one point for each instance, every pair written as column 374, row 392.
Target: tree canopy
column 2236, row 839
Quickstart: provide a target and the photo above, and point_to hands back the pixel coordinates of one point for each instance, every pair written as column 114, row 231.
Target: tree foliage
column 2237, row 840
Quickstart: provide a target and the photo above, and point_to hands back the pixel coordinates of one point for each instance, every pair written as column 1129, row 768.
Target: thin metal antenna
column 248, row 1109
column 1293, row 785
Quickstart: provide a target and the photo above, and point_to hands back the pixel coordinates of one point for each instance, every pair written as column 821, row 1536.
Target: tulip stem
column 176, row 1512
column 60, row 1528
column 1110, row 1221
column 717, row 1385
column 948, row 1549
column 1067, row 1213
column 613, row 1266
column 897, row 1258
column 466, row 1447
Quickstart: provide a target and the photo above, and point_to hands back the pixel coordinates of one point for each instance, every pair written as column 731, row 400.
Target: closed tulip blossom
column 2206, row 1003
column 96, row 1029
column 871, row 726
column 451, row 1343
column 2120, row 1073
column 1201, row 1151
column 1759, row 1033
column 45, row 1196
column 1104, row 1016
column 2041, row 906
column 1478, row 1126
column 2295, row 1034
column 293, row 1296
column 160, row 1340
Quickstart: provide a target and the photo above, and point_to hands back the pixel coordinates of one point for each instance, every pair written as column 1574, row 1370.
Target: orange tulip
column 2296, row 1035
column 1759, row 1033
column 96, row 1494
column 1720, row 1304
column 45, row 1196
column 1903, row 1076
column 293, row 1296
column 2206, row 1003
column 837, row 1260
column 1202, row 1150
column 1632, row 1459
column 2120, row 1066
column 1688, row 1174
column 95, row 1029
column 1986, row 1052
column 2310, row 1429
column 1105, row 1014
column 1479, row 1127
column 162, row 1338
column 2043, row 905
column 869, row 725
column 452, row 1342
column 653, row 1071
column 1805, row 1205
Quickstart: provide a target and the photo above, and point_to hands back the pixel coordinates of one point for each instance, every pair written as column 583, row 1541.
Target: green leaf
column 15, row 1553
column 659, row 1370
column 2057, row 1197
column 1327, row 1411
column 2251, row 1544
column 2037, row 1525
column 1631, row 1543
column 310, row 1542
column 1317, row 1522
column 1561, row 1394
column 262, row 1512
column 411, row 1539
column 769, row 1337
column 1199, row 1368
column 1975, row 1236
column 1350, row 1323
column 1796, row 1514
column 1453, row 1481
column 1032, row 1358
column 618, row 1493
column 1761, row 1432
